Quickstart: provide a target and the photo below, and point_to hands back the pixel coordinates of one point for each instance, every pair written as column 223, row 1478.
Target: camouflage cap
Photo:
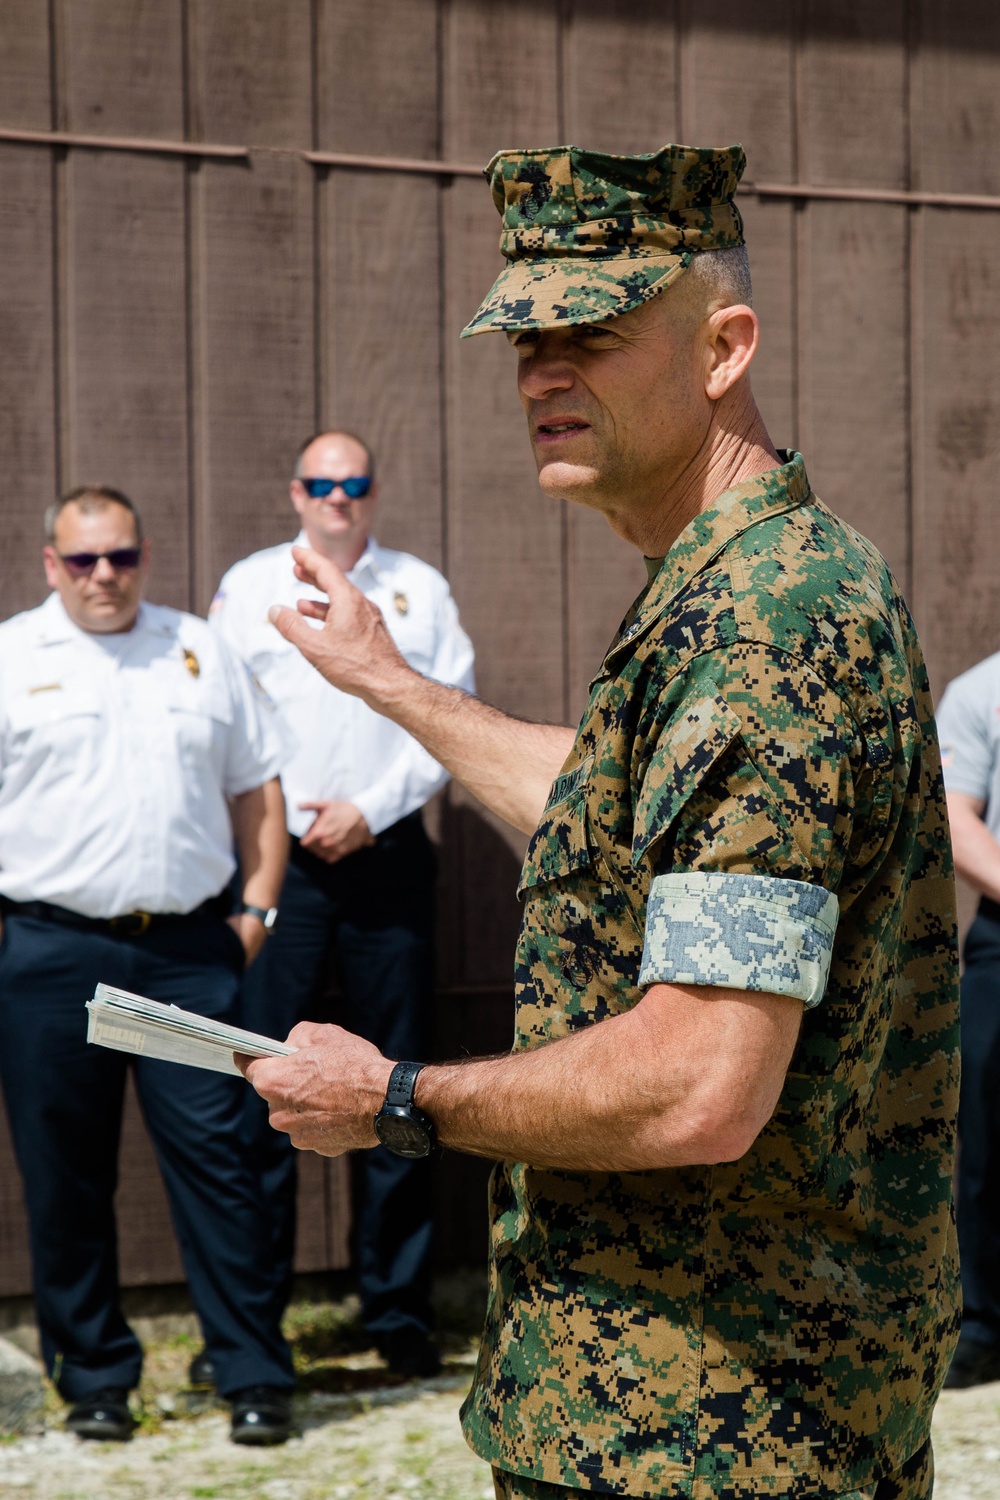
column 587, row 235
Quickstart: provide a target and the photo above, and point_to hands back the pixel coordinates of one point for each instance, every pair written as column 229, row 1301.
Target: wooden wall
column 174, row 325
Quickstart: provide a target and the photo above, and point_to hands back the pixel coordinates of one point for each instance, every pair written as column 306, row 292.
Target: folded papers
column 150, row 1028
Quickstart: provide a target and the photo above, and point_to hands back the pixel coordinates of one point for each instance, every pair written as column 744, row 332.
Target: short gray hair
column 724, row 273
column 90, row 498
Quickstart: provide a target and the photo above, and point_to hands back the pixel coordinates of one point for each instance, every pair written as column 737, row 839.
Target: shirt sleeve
column 414, row 776
column 746, row 814
column 963, row 730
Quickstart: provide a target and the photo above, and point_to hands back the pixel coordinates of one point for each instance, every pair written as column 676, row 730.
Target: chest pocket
column 200, row 716
column 56, row 713
column 560, row 843
column 687, row 750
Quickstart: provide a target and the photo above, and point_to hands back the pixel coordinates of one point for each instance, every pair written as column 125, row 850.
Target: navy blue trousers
column 375, row 911
column 979, row 1132
column 64, row 1103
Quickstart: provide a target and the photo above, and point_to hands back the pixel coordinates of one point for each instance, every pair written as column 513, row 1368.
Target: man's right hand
column 354, row 649
column 339, row 828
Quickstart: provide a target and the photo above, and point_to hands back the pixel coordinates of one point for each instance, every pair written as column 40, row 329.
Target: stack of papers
column 149, row 1028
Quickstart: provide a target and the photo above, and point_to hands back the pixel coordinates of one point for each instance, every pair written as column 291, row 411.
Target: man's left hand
column 251, row 933
column 338, row 829
column 326, row 1094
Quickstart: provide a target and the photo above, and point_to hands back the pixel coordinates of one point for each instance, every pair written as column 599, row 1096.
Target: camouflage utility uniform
column 754, row 800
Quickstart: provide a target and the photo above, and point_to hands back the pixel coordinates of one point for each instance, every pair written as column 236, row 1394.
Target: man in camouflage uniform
column 723, row 1259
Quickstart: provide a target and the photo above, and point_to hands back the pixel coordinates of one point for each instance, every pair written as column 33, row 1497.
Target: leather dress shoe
column 201, row 1372
column 972, row 1364
column 262, row 1414
column 410, row 1352
column 104, row 1415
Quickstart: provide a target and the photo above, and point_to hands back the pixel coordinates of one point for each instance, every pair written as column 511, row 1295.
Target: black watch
column 401, row 1127
column 268, row 915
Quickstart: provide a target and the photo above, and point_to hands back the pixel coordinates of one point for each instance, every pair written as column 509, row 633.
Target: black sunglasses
column 82, row 563
column 355, row 488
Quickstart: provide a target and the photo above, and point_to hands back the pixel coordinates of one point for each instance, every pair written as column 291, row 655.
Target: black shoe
column 104, row 1416
column 410, row 1352
column 262, row 1414
column 972, row 1364
column 201, row 1372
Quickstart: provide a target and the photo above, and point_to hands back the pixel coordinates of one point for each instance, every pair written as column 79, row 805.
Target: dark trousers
column 979, row 1130
column 376, row 909
column 64, row 1102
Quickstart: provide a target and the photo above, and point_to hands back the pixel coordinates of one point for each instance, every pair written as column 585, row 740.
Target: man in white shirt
column 133, row 745
column 361, row 871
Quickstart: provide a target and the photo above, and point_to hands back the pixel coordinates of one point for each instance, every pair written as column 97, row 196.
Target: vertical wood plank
column 250, row 72
column 124, row 61
column 27, row 375
column 253, row 363
column 25, row 85
column 504, row 535
column 736, row 86
column 634, row 110
column 126, row 385
column 372, row 51
column 381, row 349
column 15, row 1263
column 853, row 268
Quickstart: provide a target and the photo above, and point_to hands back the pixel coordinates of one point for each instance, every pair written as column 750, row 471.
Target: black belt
column 988, row 908
column 129, row 924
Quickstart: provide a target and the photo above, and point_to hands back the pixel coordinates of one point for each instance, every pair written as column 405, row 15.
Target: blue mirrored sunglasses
column 80, row 563
column 355, row 488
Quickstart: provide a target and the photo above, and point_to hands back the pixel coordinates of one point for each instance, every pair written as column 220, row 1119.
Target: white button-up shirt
column 339, row 749
column 117, row 755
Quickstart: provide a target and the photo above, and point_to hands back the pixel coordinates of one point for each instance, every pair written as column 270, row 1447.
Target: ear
column 299, row 496
column 731, row 338
column 51, row 567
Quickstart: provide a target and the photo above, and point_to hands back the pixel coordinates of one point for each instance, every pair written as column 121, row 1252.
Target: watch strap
column 401, row 1083
column 266, row 914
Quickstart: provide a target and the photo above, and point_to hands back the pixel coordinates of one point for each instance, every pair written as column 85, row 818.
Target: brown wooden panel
column 377, row 77
column 736, row 82
column 852, row 88
column 25, row 86
column 125, row 337
column 381, row 353
column 250, row 72
column 620, row 74
column 254, row 366
column 499, row 77
column 854, row 374
column 956, row 538
column 123, row 62
column 27, row 387
column 633, row 109
column 736, row 86
column 956, row 101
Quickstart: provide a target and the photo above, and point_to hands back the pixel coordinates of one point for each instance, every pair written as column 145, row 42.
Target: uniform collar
column 371, row 561
column 735, row 511
column 55, row 626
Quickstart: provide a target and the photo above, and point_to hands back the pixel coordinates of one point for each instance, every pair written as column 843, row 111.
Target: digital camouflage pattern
column 751, row 932
column 779, row 1325
column 587, row 235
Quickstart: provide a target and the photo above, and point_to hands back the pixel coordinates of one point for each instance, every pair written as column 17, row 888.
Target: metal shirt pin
column 402, row 603
column 191, row 662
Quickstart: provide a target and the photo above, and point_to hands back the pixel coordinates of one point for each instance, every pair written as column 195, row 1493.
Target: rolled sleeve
column 744, row 932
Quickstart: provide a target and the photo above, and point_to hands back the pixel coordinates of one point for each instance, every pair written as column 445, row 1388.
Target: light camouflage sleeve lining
column 745, row 932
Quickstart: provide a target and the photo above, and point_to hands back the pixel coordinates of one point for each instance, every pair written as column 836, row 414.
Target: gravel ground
column 361, row 1436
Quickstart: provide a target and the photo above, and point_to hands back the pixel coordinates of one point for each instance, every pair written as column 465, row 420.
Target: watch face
column 402, row 1135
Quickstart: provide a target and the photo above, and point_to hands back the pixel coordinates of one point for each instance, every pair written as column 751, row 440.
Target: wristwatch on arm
column 400, row 1126
column 266, row 914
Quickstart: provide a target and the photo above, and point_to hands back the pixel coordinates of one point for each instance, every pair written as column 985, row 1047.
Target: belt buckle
column 142, row 918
